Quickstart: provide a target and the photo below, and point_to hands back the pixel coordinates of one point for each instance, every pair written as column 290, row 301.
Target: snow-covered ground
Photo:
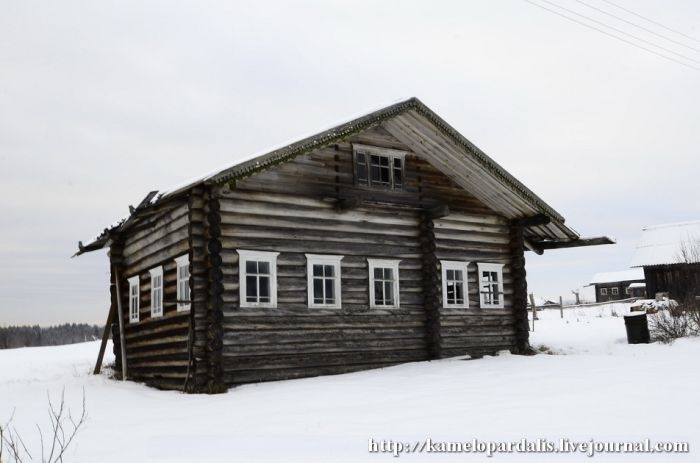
column 597, row 388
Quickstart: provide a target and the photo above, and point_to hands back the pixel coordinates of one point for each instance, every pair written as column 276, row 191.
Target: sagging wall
column 156, row 347
column 296, row 208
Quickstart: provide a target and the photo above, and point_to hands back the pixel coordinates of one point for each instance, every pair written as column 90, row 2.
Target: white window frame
column 603, row 291
column 323, row 259
column 183, row 261
column 156, row 292
column 628, row 291
column 614, row 291
column 491, row 267
column 384, row 263
column 455, row 265
column 392, row 154
column 244, row 256
column 134, row 299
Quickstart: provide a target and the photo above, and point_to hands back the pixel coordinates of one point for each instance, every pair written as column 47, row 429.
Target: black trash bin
column 637, row 328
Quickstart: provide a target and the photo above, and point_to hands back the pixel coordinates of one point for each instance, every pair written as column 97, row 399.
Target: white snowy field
column 597, row 388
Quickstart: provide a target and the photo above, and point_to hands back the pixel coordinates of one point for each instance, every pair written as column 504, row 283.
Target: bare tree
column 683, row 319
column 689, row 250
column 63, row 429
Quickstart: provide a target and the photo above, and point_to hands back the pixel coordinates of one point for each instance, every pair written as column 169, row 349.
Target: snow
column 613, row 277
column 660, row 244
column 597, row 387
column 202, row 178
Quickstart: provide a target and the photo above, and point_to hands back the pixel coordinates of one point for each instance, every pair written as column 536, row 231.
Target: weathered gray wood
column 120, row 312
column 105, row 338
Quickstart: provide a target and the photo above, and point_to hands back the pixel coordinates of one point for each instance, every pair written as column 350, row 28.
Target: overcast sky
column 101, row 102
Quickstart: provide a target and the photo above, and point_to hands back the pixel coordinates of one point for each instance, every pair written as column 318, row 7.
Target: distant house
column 613, row 286
column 670, row 257
column 386, row 239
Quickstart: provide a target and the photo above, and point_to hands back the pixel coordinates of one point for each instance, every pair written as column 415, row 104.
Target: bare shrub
column 668, row 325
column 63, row 429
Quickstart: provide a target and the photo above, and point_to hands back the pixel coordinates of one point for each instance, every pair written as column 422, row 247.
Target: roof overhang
column 429, row 137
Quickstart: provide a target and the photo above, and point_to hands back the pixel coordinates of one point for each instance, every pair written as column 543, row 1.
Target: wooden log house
column 387, row 239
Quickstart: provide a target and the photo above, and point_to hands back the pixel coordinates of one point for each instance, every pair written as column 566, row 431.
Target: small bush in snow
column 63, row 429
column 676, row 322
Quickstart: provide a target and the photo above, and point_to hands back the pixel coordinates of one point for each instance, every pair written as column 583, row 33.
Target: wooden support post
column 105, row 338
column 561, row 307
column 534, row 310
column 120, row 313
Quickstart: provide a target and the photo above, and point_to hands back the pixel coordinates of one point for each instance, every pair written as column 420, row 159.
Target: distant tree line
column 28, row 336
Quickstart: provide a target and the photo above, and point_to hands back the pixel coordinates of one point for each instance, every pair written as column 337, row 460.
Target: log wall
column 156, row 348
column 297, row 208
column 476, row 237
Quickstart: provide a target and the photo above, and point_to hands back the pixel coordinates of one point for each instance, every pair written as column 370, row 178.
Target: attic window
column 379, row 167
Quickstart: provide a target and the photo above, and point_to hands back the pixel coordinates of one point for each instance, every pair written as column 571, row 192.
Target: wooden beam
column 437, row 212
column 120, row 313
column 533, row 221
column 573, row 243
column 346, row 204
column 532, row 247
column 105, row 338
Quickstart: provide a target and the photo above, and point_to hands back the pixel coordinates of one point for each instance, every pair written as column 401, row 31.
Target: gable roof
column 428, row 136
column 662, row 244
column 613, row 277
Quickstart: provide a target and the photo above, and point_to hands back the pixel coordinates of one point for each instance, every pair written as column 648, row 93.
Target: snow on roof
column 637, row 285
column 183, row 185
column 623, row 275
column 661, row 244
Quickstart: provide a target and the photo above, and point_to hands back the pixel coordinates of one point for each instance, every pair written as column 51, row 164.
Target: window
column 323, row 275
column 628, row 291
column 183, row 283
column 454, row 284
column 257, row 278
column 383, row 283
column 379, row 167
column 614, row 291
column 491, row 285
column 156, row 292
column 603, row 291
column 133, row 299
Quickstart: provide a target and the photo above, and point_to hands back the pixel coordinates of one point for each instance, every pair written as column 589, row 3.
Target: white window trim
column 454, row 265
column 157, row 272
column 384, row 263
column 134, row 314
column 323, row 259
column 491, row 267
column 614, row 291
column 603, row 291
column 182, row 261
column 271, row 257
